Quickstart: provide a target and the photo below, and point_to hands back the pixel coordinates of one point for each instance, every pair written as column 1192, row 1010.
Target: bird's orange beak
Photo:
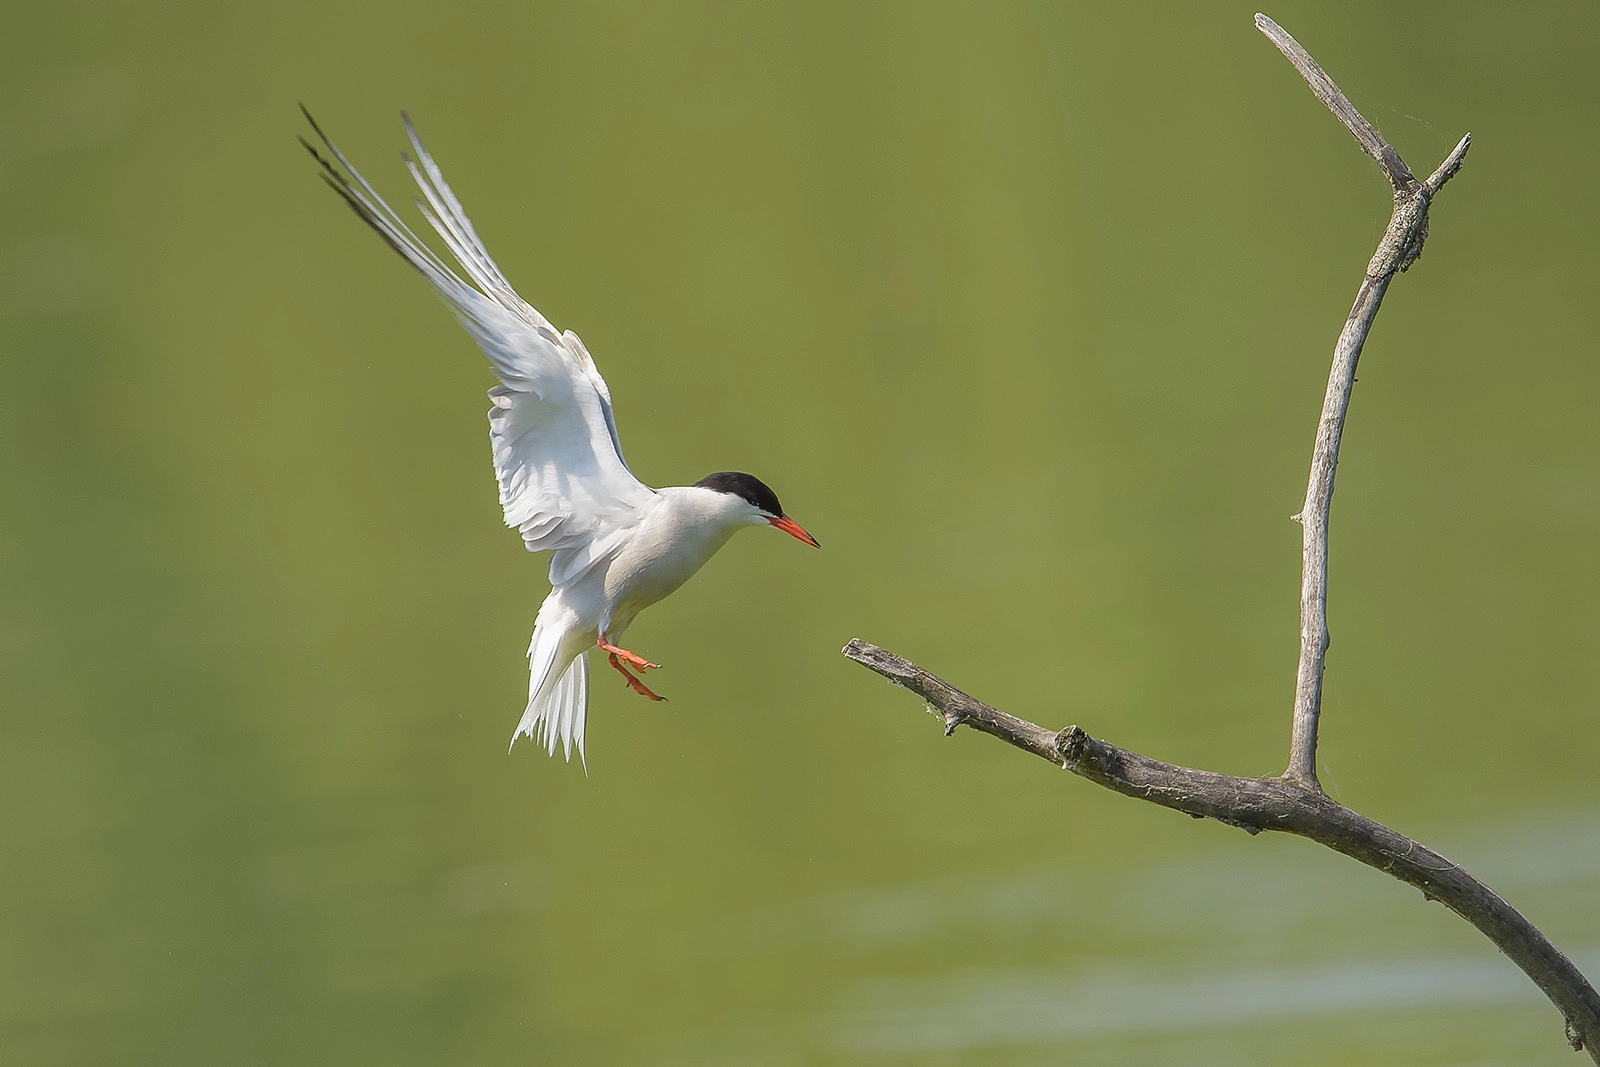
column 794, row 529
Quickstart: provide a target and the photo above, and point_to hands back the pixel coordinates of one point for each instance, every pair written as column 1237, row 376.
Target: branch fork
column 1294, row 801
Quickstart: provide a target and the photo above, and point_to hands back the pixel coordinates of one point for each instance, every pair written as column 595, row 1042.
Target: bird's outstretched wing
column 563, row 482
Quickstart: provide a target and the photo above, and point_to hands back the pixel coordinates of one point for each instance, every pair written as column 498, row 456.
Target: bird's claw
column 633, row 683
column 633, row 659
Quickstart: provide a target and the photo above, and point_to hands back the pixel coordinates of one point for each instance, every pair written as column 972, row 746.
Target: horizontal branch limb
column 1281, row 804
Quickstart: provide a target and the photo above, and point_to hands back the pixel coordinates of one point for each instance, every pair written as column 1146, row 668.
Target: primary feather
column 557, row 455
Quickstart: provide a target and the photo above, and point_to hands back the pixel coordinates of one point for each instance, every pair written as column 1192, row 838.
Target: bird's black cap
column 747, row 486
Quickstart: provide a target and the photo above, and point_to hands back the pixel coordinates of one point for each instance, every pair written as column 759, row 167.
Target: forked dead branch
column 1294, row 801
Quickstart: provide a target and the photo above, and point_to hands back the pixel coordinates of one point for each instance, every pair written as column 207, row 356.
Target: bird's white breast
column 676, row 535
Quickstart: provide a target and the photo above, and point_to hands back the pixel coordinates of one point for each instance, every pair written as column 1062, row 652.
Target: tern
column 617, row 545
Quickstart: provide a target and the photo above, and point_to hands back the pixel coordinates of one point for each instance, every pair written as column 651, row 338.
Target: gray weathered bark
column 1294, row 802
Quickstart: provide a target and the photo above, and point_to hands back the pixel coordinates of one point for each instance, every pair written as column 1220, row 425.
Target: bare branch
column 1295, row 803
column 1401, row 245
column 1449, row 167
column 1313, row 519
column 1281, row 804
column 1394, row 168
column 957, row 708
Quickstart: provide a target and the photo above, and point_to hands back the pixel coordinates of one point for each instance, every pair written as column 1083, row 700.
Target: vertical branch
column 1401, row 245
column 1313, row 519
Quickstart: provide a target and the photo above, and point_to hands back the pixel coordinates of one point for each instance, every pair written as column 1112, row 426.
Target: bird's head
column 757, row 500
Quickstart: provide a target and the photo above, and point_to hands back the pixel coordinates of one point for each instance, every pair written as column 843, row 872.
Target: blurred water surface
column 1024, row 310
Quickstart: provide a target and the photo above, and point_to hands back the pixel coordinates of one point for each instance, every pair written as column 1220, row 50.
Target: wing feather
column 557, row 455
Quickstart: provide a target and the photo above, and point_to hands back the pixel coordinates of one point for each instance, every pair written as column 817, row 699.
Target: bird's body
column 676, row 533
column 617, row 545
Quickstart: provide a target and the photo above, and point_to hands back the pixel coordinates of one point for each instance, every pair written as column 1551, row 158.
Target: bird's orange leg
column 637, row 661
column 633, row 683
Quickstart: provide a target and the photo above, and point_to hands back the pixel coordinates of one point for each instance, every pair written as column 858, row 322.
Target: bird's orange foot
column 633, row 683
column 634, row 660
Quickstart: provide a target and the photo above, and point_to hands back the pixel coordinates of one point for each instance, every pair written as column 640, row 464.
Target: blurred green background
column 1024, row 309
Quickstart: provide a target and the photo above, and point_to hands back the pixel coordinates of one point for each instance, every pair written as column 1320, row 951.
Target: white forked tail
column 558, row 692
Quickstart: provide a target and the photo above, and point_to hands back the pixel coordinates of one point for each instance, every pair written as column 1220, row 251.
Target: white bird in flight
column 618, row 546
